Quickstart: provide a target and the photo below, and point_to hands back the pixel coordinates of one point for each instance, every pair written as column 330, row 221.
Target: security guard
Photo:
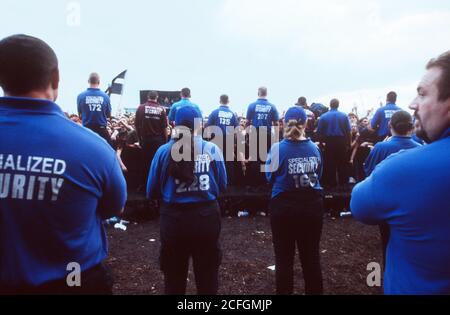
column 409, row 191
column 94, row 108
column 261, row 115
column 188, row 174
column 151, row 126
column 335, row 131
column 57, row 182
column 380, row 122
column 226, row 120
column 294, row 169
column 401, row 126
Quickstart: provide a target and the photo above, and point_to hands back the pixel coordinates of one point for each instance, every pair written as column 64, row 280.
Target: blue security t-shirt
column 262, row 114
column 382, row 118
column 410, row 192
column 334, row 124
column 223, row 118
column 294, row 166
column 384, row 149
column 57, row 182
column 210, row 175
column 184, row 102
column 94, row 107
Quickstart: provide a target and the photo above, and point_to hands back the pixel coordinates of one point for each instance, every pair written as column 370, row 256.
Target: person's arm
column 108, row 108
column 114, row 197
column 372, row 161
column 375, row 122
column 119, row 157
column 321, row 130
column 275, row 117
column 221, row 171
column 250, row 114
column 164, row 124
column 79, row 107
column 273, row 164
column 172, row 113
column 154, row 177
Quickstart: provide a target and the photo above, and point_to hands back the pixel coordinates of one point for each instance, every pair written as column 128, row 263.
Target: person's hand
column 244, row 166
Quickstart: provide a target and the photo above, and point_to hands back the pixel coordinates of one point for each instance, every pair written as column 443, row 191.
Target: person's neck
column 92, row 86
column 45, row 95
column 394, row 134
column 302, row 138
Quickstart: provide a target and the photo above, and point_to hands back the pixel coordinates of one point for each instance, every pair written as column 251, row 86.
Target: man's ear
column 55, row 79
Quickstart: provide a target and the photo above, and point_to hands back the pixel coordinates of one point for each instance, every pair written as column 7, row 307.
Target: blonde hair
column 293, row 130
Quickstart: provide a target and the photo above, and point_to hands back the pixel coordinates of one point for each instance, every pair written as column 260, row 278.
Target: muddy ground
column 347, row 248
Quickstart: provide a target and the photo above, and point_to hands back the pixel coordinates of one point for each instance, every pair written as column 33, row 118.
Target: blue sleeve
column 114, row 192
column 172, row 113
column 234, row 122
column 276, row 116
column 321, row 127
column 363, row 205
column 250, row 112
column 108, row 106
column 371, row 163
column 376, row 120
column 373, row 201
column 347, row 126
column 319, row 152
column 221, row 172
column 154, row 176
column 198, row 110
column 212, row 119
column 79, row 107
column 273, row 164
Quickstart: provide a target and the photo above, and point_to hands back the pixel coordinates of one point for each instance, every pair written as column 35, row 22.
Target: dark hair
column 302, row 101
column 183, row 170
column 224, row 99
column 186, row 92
column 391, row 97
column 152, row 95
column 94, row 78
column 402, row 122
column 442, row 62
column 334, row 103
column 26, row 64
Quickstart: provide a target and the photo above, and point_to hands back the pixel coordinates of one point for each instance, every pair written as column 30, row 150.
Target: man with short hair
column 409, row 191
column 151, row 126
column 262, row 115
column 334, row 131
column 57, row 182
column 225, row 119
column 380, row 122
column 94, row 108
column 185, row 101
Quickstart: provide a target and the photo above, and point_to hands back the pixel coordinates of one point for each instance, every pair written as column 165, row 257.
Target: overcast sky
column 351, row 49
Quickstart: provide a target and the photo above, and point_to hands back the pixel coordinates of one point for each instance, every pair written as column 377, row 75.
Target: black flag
column 116, row 88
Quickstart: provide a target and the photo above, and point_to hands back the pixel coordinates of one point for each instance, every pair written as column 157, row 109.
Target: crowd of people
column 55, row 194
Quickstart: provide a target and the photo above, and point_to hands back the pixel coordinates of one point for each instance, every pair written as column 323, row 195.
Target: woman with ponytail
column 294, row 169
column 188, row 174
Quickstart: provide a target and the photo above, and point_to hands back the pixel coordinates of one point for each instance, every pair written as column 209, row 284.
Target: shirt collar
column 32, row 104
column 446, row 134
